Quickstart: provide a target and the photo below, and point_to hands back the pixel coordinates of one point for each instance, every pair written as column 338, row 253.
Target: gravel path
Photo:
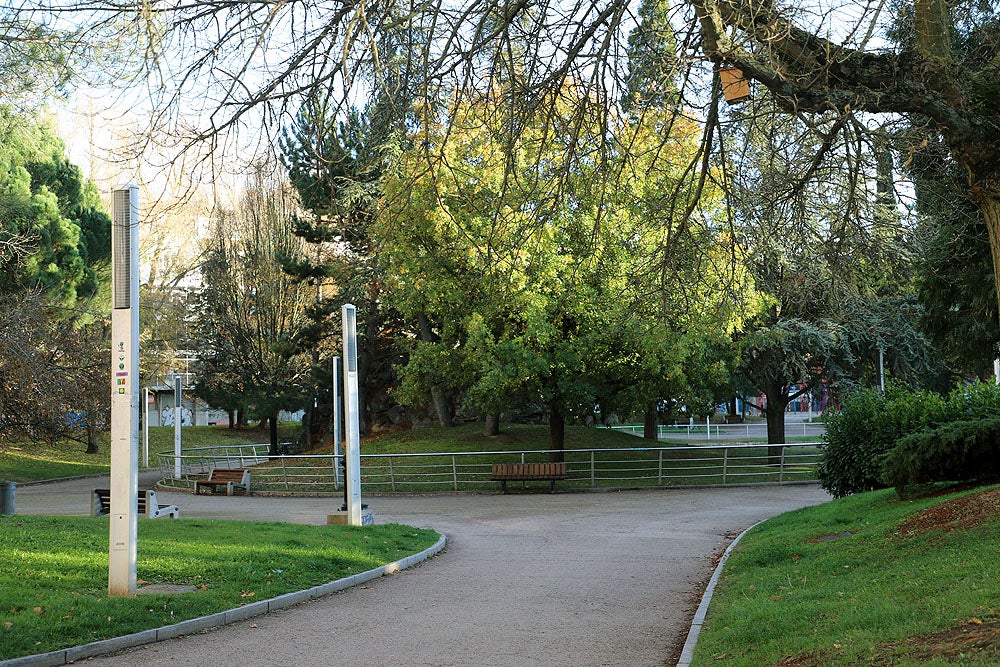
column 530, row 579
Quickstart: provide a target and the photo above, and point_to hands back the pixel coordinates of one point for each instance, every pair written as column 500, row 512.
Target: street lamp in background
column 124, row 392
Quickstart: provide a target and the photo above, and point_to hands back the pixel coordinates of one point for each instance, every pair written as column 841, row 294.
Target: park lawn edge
column 842, row 584
column 62, row 605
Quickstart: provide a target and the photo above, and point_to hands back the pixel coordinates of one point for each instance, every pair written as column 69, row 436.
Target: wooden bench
column 527, row 472
column 100, row 504
column 231, row 478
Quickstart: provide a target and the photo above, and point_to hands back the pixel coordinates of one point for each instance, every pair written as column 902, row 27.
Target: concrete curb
column 69, row 655
column 687, row 653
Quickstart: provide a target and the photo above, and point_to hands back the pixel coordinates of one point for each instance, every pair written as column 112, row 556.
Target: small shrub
column 867, row 427
column 957, row 451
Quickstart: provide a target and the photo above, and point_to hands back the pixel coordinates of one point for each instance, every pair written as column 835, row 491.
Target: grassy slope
column 53, row 583
column 790, row 595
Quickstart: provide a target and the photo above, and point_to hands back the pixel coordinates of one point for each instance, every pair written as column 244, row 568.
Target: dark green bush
column 959, row 451
column 869, row 425
column 866, row 429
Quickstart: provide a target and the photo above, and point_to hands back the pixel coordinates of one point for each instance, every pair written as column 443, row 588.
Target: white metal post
column 881, row 369
column 337, row 434
column 352, row 414
column 996, row 370
column 177, row 426
column 124, row 392
column 145, row 427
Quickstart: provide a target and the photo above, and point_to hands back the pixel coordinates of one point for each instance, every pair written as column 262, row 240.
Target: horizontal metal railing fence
column 719, row 431
column 717, row 464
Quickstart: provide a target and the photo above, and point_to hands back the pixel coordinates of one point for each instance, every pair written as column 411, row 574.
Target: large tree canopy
column 212, row 65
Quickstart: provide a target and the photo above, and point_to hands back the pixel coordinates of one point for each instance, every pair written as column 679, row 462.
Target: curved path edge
column 687, row 653
column 69, row 655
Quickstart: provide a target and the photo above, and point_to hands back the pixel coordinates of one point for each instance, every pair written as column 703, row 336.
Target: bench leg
column 552, row 489
column 503, row 487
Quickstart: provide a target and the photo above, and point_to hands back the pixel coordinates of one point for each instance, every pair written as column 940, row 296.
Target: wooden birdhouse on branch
column 735, row 86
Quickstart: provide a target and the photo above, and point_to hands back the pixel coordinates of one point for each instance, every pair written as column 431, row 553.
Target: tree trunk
column 307, row 430
column 777, row 401
column 442, row 406
column 232, row 418
column 273, row 435
column 651, row 425
column 491, row 426
column 439, row 396
column 988, row 200
column 92, row 445
column 557, row 435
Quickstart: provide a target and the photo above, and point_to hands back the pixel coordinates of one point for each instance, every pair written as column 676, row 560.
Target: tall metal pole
column 145, row 427
column 352, row 414
column 177, row 426
column 881, row 368
column 124, row 392
column 337, row 434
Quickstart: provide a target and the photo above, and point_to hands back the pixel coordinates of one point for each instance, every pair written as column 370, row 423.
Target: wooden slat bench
column 528, row 472
column 100, row 504
column 231, row 478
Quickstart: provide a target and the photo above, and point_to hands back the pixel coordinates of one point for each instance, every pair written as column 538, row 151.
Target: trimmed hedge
column 958, row 451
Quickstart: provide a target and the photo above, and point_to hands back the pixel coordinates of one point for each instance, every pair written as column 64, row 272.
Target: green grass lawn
column 54, row 574
column 866, row 580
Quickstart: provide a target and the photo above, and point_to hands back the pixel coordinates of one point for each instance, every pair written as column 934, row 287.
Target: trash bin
column 7, row 497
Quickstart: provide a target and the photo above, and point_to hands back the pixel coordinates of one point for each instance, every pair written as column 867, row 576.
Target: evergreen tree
column 652, row 60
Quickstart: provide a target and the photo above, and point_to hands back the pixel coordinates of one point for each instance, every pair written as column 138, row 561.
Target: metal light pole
column 881, row 368
column 177, row 426
column 145, row 427
column 124, row 392
column 337, row 435
column 352, row 414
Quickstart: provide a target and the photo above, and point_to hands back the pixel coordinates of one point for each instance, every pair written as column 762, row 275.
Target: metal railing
column 720, row 431
column 636, row 467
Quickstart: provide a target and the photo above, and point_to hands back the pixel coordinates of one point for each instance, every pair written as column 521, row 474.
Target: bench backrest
column 227, row 475
column 102, row 501
column 529, row 470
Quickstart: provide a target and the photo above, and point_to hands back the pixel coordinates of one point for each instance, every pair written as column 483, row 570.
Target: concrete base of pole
column 343, row 518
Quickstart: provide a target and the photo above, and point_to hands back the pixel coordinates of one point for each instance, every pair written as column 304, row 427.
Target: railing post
column 454, row 471
column 593, row 470
column 781, row 465
column 659, row 468
column 725, row 463
column 284, row 471
column 392, row 476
